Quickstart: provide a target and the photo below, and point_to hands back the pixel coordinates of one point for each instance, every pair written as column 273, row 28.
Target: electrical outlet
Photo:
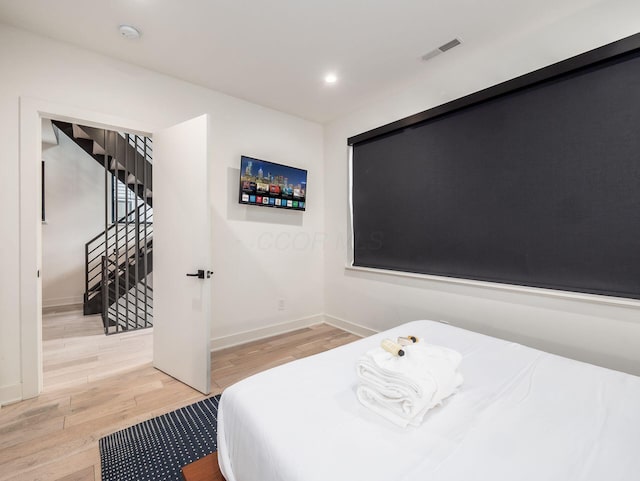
column 281, row 304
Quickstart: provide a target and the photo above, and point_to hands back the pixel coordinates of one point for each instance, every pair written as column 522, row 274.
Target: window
column 123, row 200
column 534, row 183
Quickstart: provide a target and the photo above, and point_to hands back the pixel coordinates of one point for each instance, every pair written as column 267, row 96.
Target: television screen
column 272, row 185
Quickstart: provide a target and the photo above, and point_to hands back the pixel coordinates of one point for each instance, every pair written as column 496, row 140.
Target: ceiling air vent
column 441, row 49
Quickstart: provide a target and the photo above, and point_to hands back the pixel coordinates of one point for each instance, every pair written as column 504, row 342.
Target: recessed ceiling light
column 330, row 78
column 127, row 31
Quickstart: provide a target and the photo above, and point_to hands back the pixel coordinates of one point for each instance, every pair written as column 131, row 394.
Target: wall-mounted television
column 268, row 184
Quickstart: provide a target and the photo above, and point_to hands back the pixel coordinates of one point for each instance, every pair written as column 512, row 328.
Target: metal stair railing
column 126, row 296
column 124, row 312
column 144, row 145
column 118, row 244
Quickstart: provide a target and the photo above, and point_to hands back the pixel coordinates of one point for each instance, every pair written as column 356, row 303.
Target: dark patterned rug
column 156, row 449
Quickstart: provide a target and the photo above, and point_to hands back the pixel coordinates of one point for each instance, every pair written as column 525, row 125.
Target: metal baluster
column 117, row 249
column 105, row 279
column 105, row 293
column 86, row 272
column 145, row 236
column 137, row 225
column 126, row 230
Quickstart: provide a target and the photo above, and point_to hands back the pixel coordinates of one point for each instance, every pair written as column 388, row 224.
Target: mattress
column 521, row 414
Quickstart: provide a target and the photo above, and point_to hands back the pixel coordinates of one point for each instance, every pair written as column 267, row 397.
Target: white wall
column 74, row 206
column 250, row 274
column 597, row 333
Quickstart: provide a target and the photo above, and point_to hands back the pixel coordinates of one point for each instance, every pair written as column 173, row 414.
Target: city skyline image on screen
column 268, row 184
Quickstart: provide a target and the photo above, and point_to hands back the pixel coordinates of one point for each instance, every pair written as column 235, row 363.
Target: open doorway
column 97, row 252
column 182, row 231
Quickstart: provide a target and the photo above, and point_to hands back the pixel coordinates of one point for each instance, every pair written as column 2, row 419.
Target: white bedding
column 521, row 414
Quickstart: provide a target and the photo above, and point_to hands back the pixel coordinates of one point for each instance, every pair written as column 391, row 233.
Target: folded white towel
column 402, row 412
column 404, row 388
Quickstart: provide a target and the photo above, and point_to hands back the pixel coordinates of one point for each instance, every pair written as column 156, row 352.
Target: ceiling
column 276, row 52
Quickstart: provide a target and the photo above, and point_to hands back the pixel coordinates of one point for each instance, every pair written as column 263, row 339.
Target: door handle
column 201, row 274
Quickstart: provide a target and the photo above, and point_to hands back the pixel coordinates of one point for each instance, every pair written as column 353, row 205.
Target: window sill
column 538, row 291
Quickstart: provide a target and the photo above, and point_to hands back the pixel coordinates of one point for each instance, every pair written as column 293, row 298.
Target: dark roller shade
column 536, row 187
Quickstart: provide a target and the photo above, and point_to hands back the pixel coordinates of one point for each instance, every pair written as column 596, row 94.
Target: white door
column 182, row 246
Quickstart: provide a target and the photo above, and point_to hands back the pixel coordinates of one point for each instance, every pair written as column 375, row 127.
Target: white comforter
column 521, row 414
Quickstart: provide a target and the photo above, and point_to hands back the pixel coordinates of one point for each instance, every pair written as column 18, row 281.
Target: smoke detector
column 127, row 31
column 441, row 49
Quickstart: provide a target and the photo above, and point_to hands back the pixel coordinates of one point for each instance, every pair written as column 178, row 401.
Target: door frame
column 31, row 113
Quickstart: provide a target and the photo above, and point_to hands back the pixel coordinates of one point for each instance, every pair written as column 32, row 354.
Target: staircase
column 129, row 155
column 129, row 262
column 119, row 260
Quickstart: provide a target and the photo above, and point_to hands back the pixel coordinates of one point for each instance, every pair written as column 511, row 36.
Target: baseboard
column 62, row 302
column 10, row 394
column 348, row 326
column 231, row 340
column 61, row 309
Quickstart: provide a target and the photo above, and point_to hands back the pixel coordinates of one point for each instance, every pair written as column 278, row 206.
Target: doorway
column 97, row 252
column 182, row 221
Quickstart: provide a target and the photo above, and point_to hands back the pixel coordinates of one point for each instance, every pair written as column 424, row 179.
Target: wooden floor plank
column 76, row 351
column 86, row 474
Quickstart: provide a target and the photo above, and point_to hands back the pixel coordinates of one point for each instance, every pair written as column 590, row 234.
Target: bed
column 521, row 414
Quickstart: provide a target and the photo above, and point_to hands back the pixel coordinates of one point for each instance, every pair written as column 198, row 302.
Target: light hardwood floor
column 55, row 436
column 75, row 350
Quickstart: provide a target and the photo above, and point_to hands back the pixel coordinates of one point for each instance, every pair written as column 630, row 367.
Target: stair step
column 115, row 164
column 78, row 133
column 131, row 180
column 97, row 149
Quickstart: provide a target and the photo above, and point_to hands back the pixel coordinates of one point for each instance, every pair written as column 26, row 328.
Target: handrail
column 127, row 260
column 109, row 238
column 140, row 251
column 117, row 251
column 90, row 260
column 122, row 219
column 132, row 259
